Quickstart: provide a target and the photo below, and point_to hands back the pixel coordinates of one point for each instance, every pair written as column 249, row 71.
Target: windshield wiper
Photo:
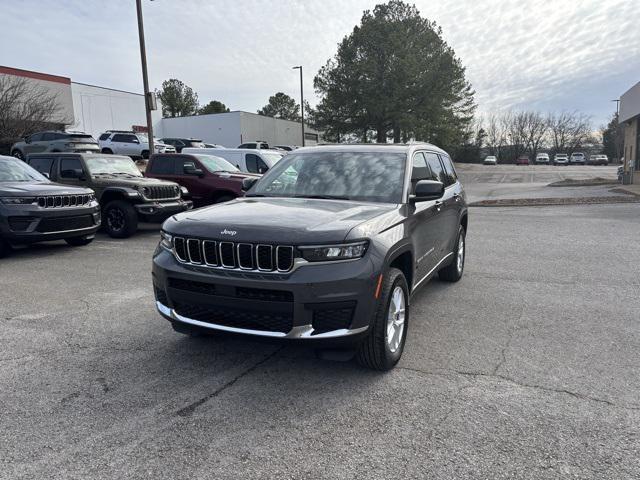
column 322, row 197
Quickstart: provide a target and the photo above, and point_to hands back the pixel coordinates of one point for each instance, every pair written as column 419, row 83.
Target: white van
column 246, row 160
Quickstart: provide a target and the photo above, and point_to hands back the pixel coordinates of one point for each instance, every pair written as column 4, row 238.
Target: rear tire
column 120, row 219
column 108, row 151
column 79, row 241
column 145, row 154
column 383, row 347
column 453, row 272
column 18, row 154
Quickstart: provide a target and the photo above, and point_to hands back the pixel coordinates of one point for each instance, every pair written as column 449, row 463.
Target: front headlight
column 18, row 200
column 184, row 191
column 343, row 251
column 166, row 240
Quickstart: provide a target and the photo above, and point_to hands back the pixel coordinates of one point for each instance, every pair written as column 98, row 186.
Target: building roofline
column 18, row 72
column 108, row 88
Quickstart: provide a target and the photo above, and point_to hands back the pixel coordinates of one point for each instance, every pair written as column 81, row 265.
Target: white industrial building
column 233, row 128
column 93, row 109
column 88, row 108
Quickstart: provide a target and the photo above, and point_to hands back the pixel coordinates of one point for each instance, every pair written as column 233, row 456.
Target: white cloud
column 548, row 55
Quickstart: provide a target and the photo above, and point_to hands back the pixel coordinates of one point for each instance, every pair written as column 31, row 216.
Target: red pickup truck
column 209, row 179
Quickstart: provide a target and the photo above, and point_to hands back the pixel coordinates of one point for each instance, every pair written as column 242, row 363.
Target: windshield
column 364, row 176
column 112, row 165
column 271, row 158
column 216, row 164
column 17, row 171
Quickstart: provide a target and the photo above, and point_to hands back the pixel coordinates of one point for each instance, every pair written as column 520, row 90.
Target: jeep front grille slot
column 63, row 224
column 232, row 255
column 227, row 255
column 58, row 201
column 210, row 249
column 284, row 258
column 180, row 248
column 193, row 249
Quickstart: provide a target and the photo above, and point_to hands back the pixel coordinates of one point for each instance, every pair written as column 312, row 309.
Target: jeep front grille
column 161, row 192
column 234, row 255
column 59, row 201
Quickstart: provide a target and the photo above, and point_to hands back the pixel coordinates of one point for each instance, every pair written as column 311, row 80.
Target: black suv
column 325, row 248
column 125, row 196
column 33, row 209
column 180, row 143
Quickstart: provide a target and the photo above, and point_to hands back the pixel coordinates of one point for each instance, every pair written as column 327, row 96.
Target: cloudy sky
column 538, row 54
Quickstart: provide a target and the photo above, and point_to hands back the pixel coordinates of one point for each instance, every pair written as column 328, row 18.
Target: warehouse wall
column 220, row 128
column 97, row 109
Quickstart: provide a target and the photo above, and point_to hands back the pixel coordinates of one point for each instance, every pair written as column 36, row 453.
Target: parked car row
column 576, row 158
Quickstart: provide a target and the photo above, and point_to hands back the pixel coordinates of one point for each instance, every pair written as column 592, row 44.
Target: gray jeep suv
column 54, row 141
column 326, row 248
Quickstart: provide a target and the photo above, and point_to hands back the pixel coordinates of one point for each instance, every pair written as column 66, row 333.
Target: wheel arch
column 402, row 258
column 116, row 193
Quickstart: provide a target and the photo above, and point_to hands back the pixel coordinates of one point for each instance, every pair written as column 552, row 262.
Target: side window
column 60, row 136
column 47, row 137
column 43, row 165
column 251, row 161
column 437, row 172
column 449, row 170
column 120, row 138
column 70, row 167
column 104, row 136
column 162, row 165
column 36, row 137
column 264, row 146
column 420, row 169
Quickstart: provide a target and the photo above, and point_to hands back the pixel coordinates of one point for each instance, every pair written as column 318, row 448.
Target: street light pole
column 301, row 102
column 145, row 77
column 617, row 140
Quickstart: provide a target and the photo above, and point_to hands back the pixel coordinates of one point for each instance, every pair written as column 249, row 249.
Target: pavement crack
column 189, row 409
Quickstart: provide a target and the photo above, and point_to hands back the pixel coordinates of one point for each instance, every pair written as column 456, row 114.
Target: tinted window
column 449, row 170
column 255, row 164
column 69, row 164
column 364, row 176
column 104, row 136
column 124, row 138
column 437, row 172
column 36, row 137
column 264, row 146
column 420, row 169
column 247, row 145
column 43, row 165
column 163, row 165
column 47, row 137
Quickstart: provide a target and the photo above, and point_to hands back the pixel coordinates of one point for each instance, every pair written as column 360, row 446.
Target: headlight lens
column 165, row 240
column 18, row 200
column 184, row 191
column 343, row 251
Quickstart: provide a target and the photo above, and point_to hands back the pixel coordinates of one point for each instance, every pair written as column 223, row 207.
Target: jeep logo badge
column 228, row 232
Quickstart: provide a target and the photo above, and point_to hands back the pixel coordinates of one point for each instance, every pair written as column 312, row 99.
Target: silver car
column 54, row 141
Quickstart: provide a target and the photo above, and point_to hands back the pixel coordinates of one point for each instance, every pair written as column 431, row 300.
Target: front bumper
column 157, row 212
column 324, row 303
column 24, row 224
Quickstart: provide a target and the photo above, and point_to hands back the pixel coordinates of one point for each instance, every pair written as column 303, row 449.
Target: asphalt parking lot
column 527, row 368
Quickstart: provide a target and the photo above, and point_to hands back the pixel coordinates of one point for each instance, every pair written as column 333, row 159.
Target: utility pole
column 301, row 101
column 145, row 78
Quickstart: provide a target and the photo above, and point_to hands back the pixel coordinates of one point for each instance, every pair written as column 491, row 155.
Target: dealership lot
column 527, row 368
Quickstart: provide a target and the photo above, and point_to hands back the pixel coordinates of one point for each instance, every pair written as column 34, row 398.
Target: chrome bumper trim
column 299, row 332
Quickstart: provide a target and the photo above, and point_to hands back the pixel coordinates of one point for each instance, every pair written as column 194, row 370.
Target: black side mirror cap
column 426, row 190
column 248, row 182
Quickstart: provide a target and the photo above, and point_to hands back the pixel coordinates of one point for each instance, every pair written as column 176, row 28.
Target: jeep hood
column 277, row 220
column 105, row 182
column 21, row 189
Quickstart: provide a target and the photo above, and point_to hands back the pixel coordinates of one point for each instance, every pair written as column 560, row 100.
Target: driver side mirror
column 190, row 169
column 427, row 190
column 248, row 182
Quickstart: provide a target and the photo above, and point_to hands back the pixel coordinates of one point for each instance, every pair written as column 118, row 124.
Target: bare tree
column 569, row 131
column 535, row 129
column 25, row 107
column 495, row 134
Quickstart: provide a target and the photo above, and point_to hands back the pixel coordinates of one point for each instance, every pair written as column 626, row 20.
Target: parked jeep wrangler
column 327, row 248
column 125, row 196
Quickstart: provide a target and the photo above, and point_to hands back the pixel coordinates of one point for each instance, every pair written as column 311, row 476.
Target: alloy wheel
column 115, row 219
column 395, row 319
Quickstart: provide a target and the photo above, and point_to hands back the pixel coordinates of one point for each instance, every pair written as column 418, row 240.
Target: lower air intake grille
column 161, row 296
column 326, row 320
column 20, row 224
column 48, row 225
column 237, row 317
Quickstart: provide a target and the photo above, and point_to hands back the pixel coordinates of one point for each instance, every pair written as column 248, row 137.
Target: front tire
column 79, row 241
column 383, row 347
column 120, row 219
column 453, row 272
column 107, row 151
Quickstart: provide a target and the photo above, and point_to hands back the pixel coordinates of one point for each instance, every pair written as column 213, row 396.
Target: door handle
column 438, row 205
column 457, row 197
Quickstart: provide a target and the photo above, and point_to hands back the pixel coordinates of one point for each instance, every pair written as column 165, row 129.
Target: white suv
column 542, row 158
column 577, row 158
column 130, row 143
